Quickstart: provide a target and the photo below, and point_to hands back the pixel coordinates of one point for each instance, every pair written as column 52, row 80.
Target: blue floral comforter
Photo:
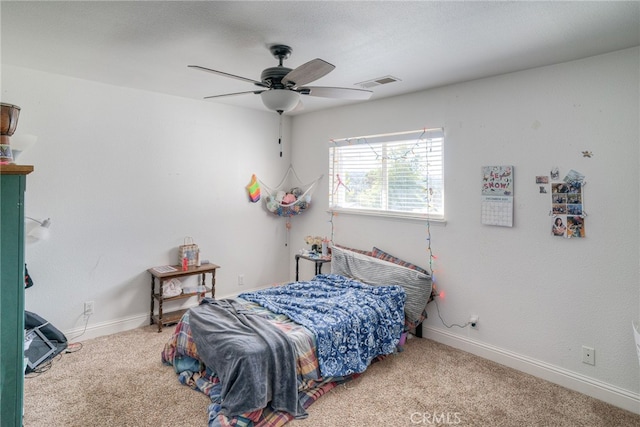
column 353, row 322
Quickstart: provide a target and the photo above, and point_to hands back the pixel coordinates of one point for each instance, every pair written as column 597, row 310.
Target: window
column 398, row 174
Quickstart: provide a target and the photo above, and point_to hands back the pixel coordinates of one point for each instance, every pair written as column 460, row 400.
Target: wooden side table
column 158, row 277
column 319, row 260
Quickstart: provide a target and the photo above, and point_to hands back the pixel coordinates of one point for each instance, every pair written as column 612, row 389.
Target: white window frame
column 425, row 146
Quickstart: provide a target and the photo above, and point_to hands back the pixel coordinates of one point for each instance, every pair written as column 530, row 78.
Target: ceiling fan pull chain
column 280, row 134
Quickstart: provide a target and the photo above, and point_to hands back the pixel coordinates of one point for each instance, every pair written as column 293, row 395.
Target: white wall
column 124, row 176
column 540, row 298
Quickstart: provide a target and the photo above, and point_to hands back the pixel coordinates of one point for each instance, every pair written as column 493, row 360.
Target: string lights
column 434, row 292
column 331, row 215
column 432, row 257
column 379, row 156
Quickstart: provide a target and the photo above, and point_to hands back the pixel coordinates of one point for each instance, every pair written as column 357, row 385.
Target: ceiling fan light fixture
column 280, row 100
column 281, row 86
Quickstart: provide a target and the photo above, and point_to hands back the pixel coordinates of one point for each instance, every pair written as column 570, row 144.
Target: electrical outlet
column 88, row 308
column 240, row 279
column 588, row 355
column 473, row 321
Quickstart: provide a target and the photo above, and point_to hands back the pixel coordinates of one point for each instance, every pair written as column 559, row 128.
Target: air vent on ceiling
column 377, row 82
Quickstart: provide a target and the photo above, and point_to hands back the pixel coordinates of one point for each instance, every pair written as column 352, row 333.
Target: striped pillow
column 380, row 254
column 360, row 251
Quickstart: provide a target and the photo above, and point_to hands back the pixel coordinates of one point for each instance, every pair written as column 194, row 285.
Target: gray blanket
column 254, row 360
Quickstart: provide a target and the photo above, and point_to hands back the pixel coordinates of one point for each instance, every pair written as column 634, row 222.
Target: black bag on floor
column 42, row 340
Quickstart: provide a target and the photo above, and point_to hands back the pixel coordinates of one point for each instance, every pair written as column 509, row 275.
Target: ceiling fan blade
column 256, row 92
column 222, row 73
column 308, row 72
column 336, row 92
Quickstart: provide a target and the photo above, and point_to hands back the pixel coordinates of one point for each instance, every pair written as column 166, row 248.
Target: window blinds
column 397, row 174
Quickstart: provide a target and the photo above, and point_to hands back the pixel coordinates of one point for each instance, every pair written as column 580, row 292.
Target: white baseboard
column 119, row 325
column 106, row 328
column 591, row 387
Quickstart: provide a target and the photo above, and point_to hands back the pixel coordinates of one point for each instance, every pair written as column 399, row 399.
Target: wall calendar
column 497, row 196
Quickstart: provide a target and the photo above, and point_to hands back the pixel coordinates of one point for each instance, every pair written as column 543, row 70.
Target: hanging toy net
column 288, row 199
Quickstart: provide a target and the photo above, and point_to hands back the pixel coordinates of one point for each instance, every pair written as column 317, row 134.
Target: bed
column 264, row 357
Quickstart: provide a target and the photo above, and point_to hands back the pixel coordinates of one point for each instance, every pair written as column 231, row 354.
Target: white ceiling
column 147, row 44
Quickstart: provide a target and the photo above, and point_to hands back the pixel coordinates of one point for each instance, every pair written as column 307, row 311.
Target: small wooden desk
column 317, row 260
column 157, row 277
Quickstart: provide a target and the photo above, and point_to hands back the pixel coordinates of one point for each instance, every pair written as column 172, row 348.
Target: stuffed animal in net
column 289, row 201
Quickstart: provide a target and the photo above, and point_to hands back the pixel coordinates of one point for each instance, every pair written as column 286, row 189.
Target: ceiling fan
column 281, row 87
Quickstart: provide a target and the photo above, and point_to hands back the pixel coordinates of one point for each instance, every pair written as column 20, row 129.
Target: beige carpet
column 119, row 380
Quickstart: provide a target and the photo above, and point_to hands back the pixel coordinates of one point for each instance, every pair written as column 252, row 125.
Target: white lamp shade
column 41, row 232
column 280, row 99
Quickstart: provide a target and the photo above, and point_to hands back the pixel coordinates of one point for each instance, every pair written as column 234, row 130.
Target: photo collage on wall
column 567, row 205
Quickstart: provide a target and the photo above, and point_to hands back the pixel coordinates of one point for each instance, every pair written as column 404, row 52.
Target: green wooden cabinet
column 12, row 188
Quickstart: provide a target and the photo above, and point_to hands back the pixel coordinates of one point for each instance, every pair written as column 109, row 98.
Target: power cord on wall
column 435, row 300
column 72, row 347
column 86, row 322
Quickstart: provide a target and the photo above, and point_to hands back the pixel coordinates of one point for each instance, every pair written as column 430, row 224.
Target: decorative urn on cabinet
column 9, row 122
